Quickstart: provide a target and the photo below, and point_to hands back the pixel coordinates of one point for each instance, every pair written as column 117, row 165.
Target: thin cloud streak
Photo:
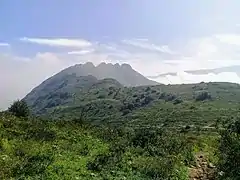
column 81, row 52
column 4, row 44
column 58, row 42
column 145, row 44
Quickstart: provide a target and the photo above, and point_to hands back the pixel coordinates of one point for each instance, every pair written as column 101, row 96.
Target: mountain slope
column 65, row 89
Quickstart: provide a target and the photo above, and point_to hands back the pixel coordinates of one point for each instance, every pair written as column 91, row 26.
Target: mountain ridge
column 123, row 73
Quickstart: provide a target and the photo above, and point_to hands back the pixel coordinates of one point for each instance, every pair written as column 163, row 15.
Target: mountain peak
column 126, row 66
column 117, row 65
column 89, row 65
column 102, row 64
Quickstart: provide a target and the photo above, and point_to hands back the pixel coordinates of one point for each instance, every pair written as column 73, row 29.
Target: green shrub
column 101, row 96
column 229, row 149
column 202, row 95
column 19, row 108
column 170, row 97
column 143, row 137
column 162, row 95
column 147, row 89
column 177, row 101
column 146, row 100
column 33, row 165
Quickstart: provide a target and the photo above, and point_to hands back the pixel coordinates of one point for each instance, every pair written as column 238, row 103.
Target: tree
column 177, row 101
column 19, row 108
column 202, row 95
column 170, row 97
column 146, row 100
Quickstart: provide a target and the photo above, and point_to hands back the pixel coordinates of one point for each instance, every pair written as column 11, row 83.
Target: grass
column 39, row 149
column 105, row 131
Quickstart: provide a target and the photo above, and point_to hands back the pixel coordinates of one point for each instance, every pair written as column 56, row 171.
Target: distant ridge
column 123, row 73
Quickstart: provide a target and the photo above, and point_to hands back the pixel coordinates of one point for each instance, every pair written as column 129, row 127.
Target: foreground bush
column 19, row 108
column 229, row 166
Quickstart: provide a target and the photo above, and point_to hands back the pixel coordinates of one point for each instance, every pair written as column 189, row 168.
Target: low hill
column 175, row 106
column 66, row 89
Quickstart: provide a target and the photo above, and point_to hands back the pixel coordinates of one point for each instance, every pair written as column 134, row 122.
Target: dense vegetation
column 84, row 128
column 229, row 160
column 33, row 148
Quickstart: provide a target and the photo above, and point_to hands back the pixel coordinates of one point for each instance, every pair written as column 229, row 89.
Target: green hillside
column 200, row 106
column 99, row 129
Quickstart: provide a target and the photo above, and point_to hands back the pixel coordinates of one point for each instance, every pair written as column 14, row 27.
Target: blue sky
column 154, row 19
column 95, row 19
column 38, row 38
column 160, row 21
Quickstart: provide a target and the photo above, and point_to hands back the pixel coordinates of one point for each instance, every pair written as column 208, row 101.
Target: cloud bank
column 186, row 78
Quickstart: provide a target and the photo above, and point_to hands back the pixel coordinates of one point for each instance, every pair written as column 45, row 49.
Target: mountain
column 90, row 125
column 108, row 101
column 75, row 93
column 160, row 129
column 122, row 73
column 78, row 80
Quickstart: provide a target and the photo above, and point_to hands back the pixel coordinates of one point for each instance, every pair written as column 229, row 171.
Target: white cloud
column 141, row 39
column 149, row 46
column 184, row 65
column 81, row 52
column 4, row 44
column 233, row 39
column 183, row 77
column 58, row 42
column 166, row 49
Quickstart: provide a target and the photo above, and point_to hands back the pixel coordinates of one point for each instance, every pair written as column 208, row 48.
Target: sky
column 40, row 38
